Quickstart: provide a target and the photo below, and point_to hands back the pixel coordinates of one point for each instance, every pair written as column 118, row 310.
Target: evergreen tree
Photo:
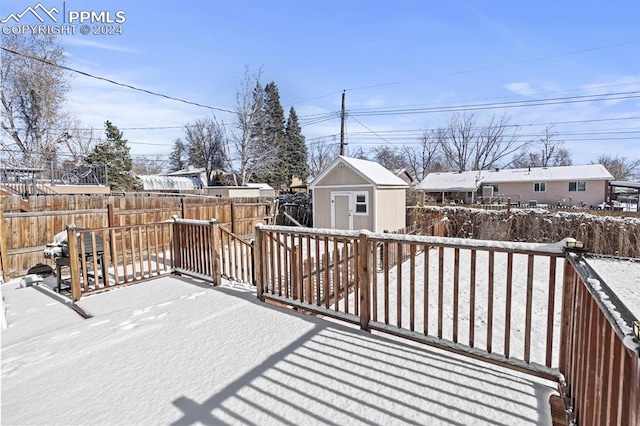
column 115, row 153
column 295, row 149
column 179, row 157
column 255, row 153
column 274, row 136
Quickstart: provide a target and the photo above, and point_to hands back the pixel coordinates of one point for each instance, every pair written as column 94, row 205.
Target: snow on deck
column 175, row 351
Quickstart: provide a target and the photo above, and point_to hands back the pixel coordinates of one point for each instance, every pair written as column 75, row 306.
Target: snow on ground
column 176, row 351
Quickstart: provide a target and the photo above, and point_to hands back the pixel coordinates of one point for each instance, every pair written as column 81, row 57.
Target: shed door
column 341, row 210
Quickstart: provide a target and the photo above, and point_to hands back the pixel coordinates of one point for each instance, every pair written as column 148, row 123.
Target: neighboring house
column 191, row 173
column 170, row 183
column 218, row 177
column 584, row 186
column 358, row 194
column 404, row 175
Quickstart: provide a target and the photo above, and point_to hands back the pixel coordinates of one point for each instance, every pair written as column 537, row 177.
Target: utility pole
column 342, row 126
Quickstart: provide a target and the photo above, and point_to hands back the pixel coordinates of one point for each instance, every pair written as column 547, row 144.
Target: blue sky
column 387, row 56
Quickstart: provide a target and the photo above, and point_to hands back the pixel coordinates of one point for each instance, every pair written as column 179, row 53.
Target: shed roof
column 371, row 171
column 471, row 180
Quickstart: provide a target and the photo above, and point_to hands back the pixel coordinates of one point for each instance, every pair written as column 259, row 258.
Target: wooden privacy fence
column 599, row 354
column 472, row 310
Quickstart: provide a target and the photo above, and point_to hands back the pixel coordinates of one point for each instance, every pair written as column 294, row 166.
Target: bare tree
column 548, row 151
column 358, row 152
column 621, row 168
column 468, row 146
column 149, row 165
column 78, row 141
column 496, row 143
column 206, row 141
column 321, row 153
column 425, row 157
column 390, row 158
column 32, row 96
column 247, row 157
column 458, row 147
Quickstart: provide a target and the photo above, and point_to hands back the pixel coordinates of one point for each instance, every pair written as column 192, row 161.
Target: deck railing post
column 257, row 263
column 176, row 255
column 365, row 279
column 215, row 251
column 74, row 264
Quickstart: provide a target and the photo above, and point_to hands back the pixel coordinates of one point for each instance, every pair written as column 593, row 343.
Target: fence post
column 257, row 263
column 215, row 251
column 74, row 263
column 365, row 279
column 110, row 216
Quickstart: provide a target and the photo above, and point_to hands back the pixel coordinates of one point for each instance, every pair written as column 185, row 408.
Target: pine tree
column 179, row 157
column 295, row 149
column 115, row 153
column 274, row 139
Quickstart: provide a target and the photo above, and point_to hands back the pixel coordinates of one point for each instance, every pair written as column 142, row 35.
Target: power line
column 484, row 68
column 128, row 86
column 505, row 105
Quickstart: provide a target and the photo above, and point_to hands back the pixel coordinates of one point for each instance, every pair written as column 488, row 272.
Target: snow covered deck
column 176, row 351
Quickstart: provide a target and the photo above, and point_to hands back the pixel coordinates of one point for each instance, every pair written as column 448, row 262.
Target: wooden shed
column 358, row 194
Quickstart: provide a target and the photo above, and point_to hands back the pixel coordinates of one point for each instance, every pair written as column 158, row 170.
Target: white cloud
column 74, row 41
column 522, row 89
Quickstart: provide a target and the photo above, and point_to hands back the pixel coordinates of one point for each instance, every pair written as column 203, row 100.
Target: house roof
column 259, row 185
column 369, row 170
column 471, row 180
column 187, row 172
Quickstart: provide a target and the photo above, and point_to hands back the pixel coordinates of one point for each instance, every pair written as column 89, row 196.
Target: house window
column 539, row 187
column 577, row 186
column 361, row 203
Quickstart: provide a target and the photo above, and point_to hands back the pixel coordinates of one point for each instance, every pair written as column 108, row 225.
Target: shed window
column 539, row 187
column 361, row 203
column 577, row 186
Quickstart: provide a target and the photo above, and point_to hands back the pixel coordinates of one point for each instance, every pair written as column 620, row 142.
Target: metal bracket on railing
column 575, row 247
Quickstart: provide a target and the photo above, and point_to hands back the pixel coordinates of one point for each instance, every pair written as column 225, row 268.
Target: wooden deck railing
column 431, row 297
column 109, row 257
column 528, row 307
column 599, row 354
column 236, row 257
column 129, row 254
column 195, row 249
